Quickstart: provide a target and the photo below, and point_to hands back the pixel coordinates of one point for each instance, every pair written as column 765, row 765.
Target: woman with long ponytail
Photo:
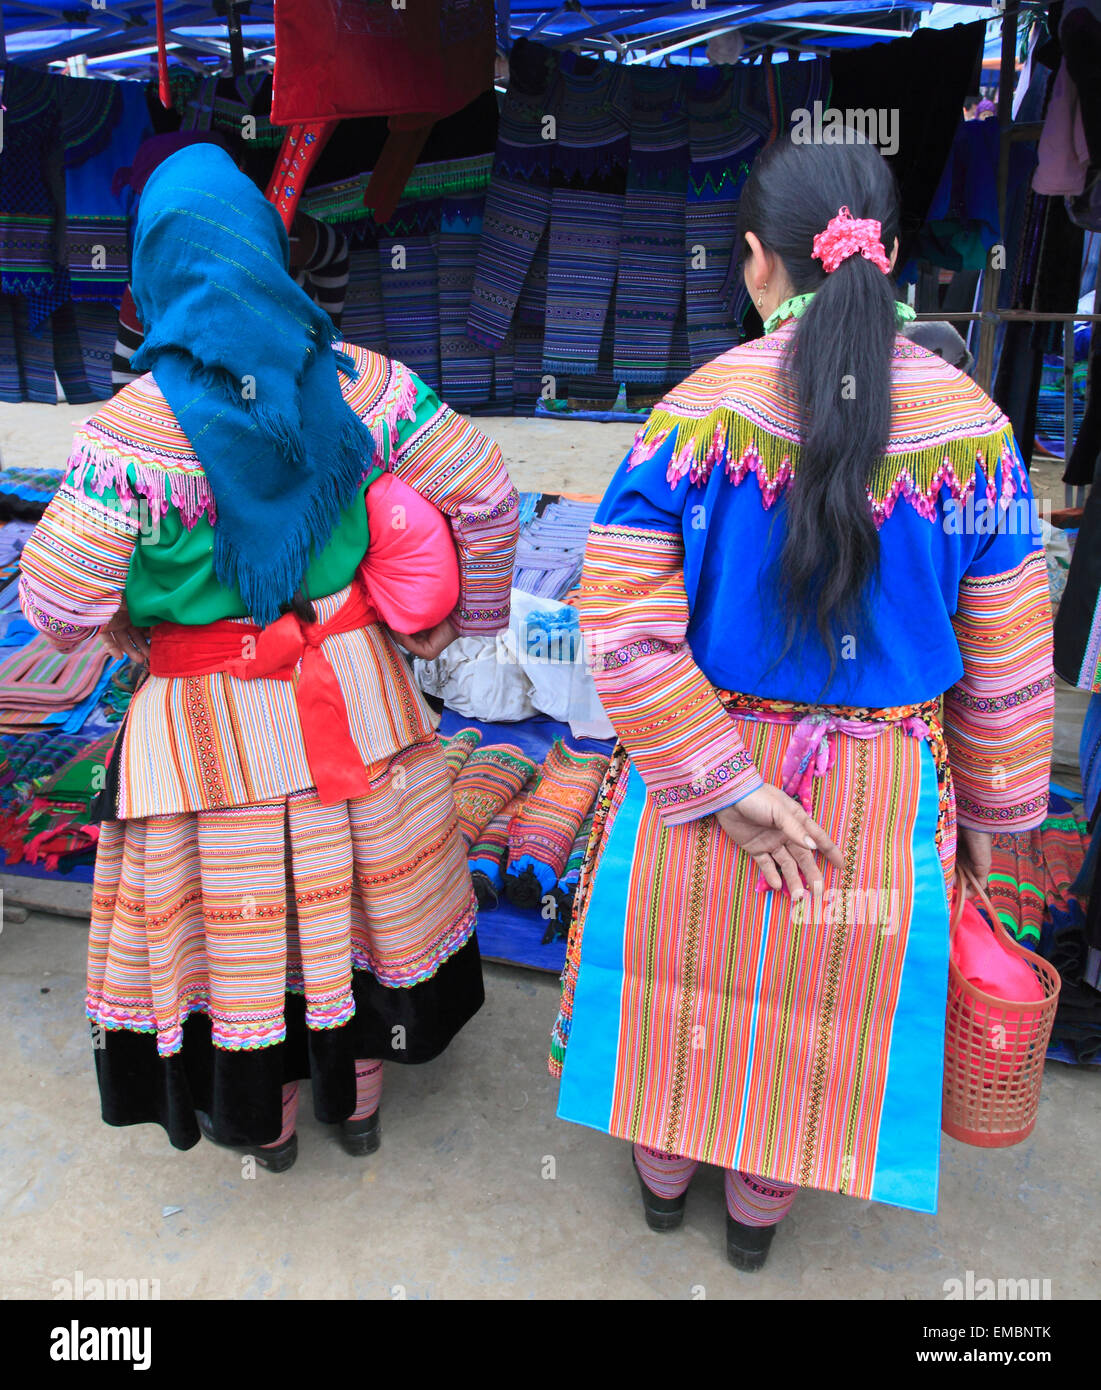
column 823, row 636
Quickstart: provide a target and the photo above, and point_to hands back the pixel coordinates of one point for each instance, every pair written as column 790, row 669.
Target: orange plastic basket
column 994, row 1048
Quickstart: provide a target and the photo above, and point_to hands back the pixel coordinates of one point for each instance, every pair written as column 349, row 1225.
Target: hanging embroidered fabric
column 28, row 211
column 517, row 208
column 650, row 287
column 410, row 287
column 363, row 321
column 588, row 181
column 102, row 125
column 732, row 117
column 466, row 366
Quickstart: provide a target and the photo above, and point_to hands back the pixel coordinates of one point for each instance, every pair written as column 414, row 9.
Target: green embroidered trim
column 343, row 202
column 725, row 436
column 796, row 307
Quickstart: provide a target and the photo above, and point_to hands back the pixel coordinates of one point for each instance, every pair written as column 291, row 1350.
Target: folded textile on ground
column 491, row 778
column 458, row 748
column 542, row 836
column 24, row 492
column 57, row 826
column 566, row 886
column 489, row 853
column 30, row 759
column 37, row 679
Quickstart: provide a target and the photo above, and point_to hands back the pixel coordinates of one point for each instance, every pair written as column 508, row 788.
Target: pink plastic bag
column 411, row 568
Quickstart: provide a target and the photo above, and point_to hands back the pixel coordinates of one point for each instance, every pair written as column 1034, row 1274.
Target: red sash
column 249, row 652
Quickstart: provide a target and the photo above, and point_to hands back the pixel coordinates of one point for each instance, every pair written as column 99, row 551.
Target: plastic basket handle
column 965, row 879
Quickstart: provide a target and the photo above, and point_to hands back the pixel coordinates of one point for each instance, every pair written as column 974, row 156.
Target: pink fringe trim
column 132, row 477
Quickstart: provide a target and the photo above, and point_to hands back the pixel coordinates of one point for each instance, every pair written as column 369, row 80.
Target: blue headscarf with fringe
column 245, row 360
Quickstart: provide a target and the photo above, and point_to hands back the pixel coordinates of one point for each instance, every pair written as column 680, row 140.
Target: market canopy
column 119, row 36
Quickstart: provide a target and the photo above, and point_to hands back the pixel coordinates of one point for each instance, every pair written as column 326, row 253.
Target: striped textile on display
column 377, row 884
column 588, row 178
column 466, row 366
column 39, row 679
column 363, row 321
column 102, row 125
column 12, row 389
column 551, row 549
column 488, row 781
column 488, row 855
column 650, row 287
column 28, row 210
column 543, row 833
column 410, row 289
column 517, row 208
column 567, row 884
column 35, row 348
column 1033, row 873
column 732, row 118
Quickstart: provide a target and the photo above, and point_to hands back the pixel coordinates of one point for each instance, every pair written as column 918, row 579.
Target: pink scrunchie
column 845, row 236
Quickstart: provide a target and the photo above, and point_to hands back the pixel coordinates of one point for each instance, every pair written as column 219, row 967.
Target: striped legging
column 751, row 1200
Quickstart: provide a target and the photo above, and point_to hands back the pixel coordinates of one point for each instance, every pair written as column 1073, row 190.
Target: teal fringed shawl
column 245, row 360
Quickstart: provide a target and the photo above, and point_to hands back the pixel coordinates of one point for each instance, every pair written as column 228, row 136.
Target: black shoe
column 276, row 1160
column 361, row 1137
column 747, row 1246
column 662, row 1213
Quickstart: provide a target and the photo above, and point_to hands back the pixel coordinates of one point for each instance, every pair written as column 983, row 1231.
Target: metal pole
column 992, row 276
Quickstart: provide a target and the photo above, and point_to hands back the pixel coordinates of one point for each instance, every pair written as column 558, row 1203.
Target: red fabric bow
column 335, row 762
column 847, row 235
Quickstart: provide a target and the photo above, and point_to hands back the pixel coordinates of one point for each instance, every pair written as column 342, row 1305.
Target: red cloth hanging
column 165, row 91
column 343, row 58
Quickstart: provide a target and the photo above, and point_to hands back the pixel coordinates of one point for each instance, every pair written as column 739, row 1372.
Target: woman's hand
column 429, row 643
column 122, row 638
column 780, row 838
column 974, row 851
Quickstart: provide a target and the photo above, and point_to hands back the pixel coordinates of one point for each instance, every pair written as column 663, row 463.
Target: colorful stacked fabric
column 489, row 854
column 25, row 492
column 57, row 828
column 458, row 748
column 542, row 836
column 551, row 549
column 489, row 781
column 30, row 759
column 37, row 681
column 1033, row 872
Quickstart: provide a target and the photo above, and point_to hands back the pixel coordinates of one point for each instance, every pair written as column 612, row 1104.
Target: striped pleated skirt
column 232, row 950
column 707, row 1018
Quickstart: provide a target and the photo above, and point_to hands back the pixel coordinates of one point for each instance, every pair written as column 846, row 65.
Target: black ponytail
column 840, row 370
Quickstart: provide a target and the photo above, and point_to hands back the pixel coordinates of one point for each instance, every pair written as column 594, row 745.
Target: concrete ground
column 478, row 1190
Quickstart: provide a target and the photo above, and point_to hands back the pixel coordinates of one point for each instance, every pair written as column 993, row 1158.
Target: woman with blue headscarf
column 281, row 888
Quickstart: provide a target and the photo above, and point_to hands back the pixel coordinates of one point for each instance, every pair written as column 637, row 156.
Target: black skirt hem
column 242, row 1091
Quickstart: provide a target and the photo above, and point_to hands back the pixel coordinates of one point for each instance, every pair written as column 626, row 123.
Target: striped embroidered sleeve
column 998, row 717
column 459, row 469
column 74, row 566
column 634, row 610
